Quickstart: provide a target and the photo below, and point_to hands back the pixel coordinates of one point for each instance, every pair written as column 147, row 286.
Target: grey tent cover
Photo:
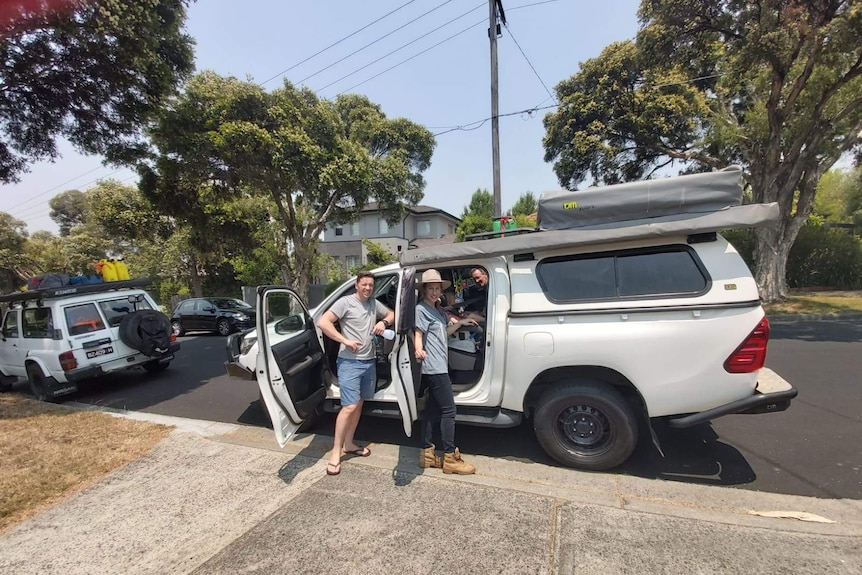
column 697, row 193
column 675, row 207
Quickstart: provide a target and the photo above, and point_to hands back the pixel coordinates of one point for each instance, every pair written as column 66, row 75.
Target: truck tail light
column 68, row 361
column 751, row 353
column 173, row 338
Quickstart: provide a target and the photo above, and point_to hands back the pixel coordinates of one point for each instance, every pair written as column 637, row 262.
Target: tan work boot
column 430, row 459
column 452, row 463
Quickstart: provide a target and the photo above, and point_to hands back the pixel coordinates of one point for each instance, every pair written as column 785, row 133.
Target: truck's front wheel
column 587, row 425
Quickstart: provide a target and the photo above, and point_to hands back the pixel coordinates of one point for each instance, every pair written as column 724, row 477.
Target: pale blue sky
column 447, row 86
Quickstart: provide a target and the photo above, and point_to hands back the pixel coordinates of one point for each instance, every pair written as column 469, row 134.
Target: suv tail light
column 68, row 361
column 751, row 353
column 173, row 338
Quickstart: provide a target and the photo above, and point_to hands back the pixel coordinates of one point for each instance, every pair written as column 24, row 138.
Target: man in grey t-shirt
column 361, row 318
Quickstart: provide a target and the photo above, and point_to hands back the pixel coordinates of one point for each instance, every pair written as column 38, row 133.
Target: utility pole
column 495, row 107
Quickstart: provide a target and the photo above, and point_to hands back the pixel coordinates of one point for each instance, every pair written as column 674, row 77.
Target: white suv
column 588, row 330
column 57, row 337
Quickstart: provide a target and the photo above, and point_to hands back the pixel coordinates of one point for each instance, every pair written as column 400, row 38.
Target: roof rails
column 499, row 234
column 73, row 290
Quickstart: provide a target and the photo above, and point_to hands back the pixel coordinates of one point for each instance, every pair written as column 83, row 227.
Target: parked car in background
column 223, row 315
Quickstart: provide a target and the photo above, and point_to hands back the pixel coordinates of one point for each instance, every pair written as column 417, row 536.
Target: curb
column 793, row 317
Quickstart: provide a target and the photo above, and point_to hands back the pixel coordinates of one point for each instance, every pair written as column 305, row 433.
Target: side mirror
column 137, row 298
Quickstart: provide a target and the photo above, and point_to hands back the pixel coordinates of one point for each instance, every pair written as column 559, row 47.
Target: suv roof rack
column 73, row 290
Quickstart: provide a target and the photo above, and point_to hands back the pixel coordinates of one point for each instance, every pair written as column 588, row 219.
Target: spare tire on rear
column 146, row 330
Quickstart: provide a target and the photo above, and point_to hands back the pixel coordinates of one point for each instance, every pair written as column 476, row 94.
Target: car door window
column 10, row 324
column 37, row 323
column 83, row 318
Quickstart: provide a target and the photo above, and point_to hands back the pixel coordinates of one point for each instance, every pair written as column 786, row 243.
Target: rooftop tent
column 680, row 206
column 696, row 193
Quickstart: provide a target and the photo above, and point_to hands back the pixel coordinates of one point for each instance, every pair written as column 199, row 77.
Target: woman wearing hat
column 433, row 329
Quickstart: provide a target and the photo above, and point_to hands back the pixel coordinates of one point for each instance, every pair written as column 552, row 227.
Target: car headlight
column 247, row 343
column 240, row 316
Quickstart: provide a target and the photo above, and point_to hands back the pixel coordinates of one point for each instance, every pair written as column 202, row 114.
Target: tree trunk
column 770, row 258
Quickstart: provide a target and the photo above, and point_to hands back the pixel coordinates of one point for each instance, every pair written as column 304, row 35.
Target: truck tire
column 38, row 384
column 586, row 425
column 130, row 332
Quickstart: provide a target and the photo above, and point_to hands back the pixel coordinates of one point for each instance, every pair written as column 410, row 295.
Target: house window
column 339, row 230
column 354, row 229
column 382, row 226
column 423, row 227
column 351, row 262
column 451, row 229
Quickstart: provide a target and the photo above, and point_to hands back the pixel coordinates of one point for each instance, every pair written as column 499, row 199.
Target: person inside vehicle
column 433, row 328
column 360, row 317
column 476, row 296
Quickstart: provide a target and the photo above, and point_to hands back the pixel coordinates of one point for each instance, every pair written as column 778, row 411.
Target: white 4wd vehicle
column 589, row 330
column 57, row 337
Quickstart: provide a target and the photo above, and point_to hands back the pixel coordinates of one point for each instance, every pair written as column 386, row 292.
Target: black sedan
column 223, row 315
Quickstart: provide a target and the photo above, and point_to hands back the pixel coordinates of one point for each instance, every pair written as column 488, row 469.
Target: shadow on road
column 826, row 331
column 693, row 455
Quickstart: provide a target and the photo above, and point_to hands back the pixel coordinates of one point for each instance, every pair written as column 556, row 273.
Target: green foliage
column 313, row 161
column 825, row 257
column 376, row 255
column 820, row 257
column 775, row 87
column 91, row 72
column 525, row 205
column 481, row 204
column 473, row 224
column 69, row 209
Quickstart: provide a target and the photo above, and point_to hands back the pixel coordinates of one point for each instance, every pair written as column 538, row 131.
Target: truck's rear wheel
column 587, row 425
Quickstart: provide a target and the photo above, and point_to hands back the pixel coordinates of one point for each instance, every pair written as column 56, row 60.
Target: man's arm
column 326, row 323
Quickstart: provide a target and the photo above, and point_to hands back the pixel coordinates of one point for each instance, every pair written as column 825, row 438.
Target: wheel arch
column 32, row 360
column 595, row 373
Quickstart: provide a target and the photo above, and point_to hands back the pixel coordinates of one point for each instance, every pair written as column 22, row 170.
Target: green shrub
column 820, row 257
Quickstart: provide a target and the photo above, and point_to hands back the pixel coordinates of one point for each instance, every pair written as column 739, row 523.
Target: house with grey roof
column 421, row 227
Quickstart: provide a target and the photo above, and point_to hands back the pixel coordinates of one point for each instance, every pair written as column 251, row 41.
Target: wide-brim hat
column 432, row 277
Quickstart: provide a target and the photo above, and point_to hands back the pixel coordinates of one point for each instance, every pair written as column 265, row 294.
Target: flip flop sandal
column 361, row 452
column 335, row 466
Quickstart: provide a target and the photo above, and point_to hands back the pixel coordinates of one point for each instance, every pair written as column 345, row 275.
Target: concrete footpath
column 219, row 498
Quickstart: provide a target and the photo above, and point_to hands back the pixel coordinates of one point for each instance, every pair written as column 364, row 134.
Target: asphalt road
column 813, row 448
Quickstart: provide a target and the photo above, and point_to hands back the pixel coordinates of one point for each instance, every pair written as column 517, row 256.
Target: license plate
column 99, row 352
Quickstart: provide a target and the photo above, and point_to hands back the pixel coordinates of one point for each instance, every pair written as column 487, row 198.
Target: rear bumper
column 772, row 394
column 91, row 371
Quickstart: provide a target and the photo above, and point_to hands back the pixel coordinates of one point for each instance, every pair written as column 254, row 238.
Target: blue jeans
column 439, row 410
column 356, row 378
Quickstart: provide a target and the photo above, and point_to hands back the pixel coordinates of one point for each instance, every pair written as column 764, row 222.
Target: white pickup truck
column 589, row 333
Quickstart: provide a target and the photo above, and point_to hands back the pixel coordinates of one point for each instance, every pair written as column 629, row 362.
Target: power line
column 413, row 56
column 15, row 207
column 529, row 63
column 375, row 42
column 402, row 47
column 26, row 212
column 337, row 42
column 464, row 128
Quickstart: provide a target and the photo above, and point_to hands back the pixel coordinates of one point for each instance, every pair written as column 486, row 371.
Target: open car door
column 404, row 367
column 290, row 360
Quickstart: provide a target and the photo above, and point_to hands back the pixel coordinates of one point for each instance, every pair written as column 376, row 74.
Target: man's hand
column 467, row 321
column 352, row 345
column 420, row 354
column 379, row 328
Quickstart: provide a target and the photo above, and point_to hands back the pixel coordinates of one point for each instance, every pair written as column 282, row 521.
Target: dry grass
column 819, row 302
column 49, row 452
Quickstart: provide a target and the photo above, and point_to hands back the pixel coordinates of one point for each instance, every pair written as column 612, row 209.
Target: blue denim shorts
column 356, row 378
